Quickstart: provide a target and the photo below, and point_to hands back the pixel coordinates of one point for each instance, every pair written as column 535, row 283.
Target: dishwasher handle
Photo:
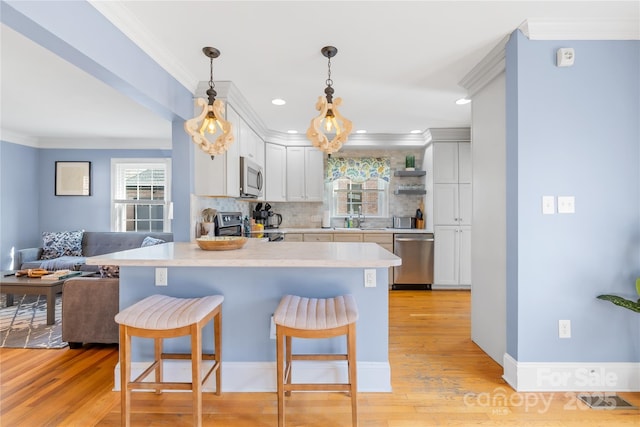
column 414, row 239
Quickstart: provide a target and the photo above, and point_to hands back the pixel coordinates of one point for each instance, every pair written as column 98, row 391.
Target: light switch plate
column 566, row 204
column 548, row 205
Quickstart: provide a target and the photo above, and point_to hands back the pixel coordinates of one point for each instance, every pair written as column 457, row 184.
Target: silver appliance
column 416, row 252
column 228, row 224
column 403, row 222
column 251, row 178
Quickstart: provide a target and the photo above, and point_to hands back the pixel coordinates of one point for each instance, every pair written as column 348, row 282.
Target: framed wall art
column 73, row 179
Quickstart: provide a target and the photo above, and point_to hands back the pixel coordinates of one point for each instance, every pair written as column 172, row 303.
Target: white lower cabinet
column 452, row 256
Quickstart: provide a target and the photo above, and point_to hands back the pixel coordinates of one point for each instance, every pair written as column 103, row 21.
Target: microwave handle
column 259, row 180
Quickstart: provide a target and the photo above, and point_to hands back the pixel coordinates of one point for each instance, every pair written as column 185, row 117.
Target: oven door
column 251, row 178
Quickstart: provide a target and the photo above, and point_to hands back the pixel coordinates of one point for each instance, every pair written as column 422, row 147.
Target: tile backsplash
column 309, row 214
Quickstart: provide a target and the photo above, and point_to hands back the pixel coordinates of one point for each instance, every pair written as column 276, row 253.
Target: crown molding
column 487, row 69
column 449, row 134
column 122, row 18
column 581, row 29
column 76, row 143
column 18, row 138
column 536, row 29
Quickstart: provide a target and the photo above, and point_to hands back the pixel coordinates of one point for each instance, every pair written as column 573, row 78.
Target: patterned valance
column 358, row 169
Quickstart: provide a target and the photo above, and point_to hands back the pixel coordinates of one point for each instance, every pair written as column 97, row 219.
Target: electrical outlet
column 161, row 277
column 370, row 278
column 564, row 328
column 566, row 204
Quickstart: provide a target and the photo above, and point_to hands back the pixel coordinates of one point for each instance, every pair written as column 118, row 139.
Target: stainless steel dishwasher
column 416, row 252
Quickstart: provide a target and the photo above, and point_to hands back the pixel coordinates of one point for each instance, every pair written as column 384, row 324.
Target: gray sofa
column 89, row 304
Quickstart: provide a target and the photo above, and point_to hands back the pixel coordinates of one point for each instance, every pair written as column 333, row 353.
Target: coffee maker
column 266, row 217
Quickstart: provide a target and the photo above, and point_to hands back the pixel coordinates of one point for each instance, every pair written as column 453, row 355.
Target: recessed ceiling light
column 278, row 101
column 416, row 131
column 463, row 101
column 361, row 131
column 292, row 131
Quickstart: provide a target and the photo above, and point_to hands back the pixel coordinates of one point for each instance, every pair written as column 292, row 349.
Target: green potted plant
column 623, row 302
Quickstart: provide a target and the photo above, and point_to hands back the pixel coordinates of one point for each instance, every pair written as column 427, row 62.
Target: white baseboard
column 261, row 376
column 571, row 376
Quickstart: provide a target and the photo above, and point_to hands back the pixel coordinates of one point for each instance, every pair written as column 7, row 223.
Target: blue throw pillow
column 151, row 241
column 64, row 243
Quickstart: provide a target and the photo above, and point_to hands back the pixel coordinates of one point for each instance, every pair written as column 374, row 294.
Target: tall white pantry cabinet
column 452, row 214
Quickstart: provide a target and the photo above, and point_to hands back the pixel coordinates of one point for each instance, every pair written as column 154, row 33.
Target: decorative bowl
column 221, row 243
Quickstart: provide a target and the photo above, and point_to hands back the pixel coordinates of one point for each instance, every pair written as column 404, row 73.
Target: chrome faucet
column 361, row 217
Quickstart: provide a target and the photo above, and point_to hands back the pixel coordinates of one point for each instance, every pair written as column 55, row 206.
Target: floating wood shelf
column 409, row 173
column 410, row 192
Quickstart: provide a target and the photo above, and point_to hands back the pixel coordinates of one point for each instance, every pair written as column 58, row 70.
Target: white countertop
column 255, row 253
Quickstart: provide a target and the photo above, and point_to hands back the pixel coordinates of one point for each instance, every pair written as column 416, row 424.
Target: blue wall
column 573, row 132
column 29, row 205
column 19, row 200
column 77, row 32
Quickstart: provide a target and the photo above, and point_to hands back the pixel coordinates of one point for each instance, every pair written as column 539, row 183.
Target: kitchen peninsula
column 252, row 280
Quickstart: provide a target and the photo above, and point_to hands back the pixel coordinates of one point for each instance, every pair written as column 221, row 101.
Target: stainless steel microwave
column 251, row 178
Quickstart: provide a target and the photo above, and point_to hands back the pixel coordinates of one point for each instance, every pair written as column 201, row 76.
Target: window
column 140, row 195
column 369, row 197
column 358, row 185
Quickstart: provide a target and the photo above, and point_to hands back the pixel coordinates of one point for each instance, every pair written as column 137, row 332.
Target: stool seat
column 161, row 312
column 316, row 314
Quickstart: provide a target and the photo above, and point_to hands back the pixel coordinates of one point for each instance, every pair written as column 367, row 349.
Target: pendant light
column 209, row 130
column 329, row 121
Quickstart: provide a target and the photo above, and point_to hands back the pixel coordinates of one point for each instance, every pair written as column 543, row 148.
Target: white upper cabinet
column 276, row 173
column 464, row 162
column 305, row 174
column 219, row 176
column 451, row 162
column 251, row 145
column 314, row 174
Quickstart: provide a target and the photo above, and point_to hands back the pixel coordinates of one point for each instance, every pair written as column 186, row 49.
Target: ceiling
column 398, row 66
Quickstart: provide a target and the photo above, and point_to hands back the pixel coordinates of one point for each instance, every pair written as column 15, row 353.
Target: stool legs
column 284, row 358
column 196, row 363
column 196, row 356
column 280, row 374
column 125, row 374
column 353, row 379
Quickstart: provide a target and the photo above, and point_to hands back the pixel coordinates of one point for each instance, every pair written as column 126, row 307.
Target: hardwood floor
column 439, row 377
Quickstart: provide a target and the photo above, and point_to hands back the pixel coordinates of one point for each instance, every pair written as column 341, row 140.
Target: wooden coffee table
column 10, row 285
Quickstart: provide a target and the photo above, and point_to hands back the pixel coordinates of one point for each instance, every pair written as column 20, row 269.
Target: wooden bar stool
column 160, row 317
column 298, row 317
